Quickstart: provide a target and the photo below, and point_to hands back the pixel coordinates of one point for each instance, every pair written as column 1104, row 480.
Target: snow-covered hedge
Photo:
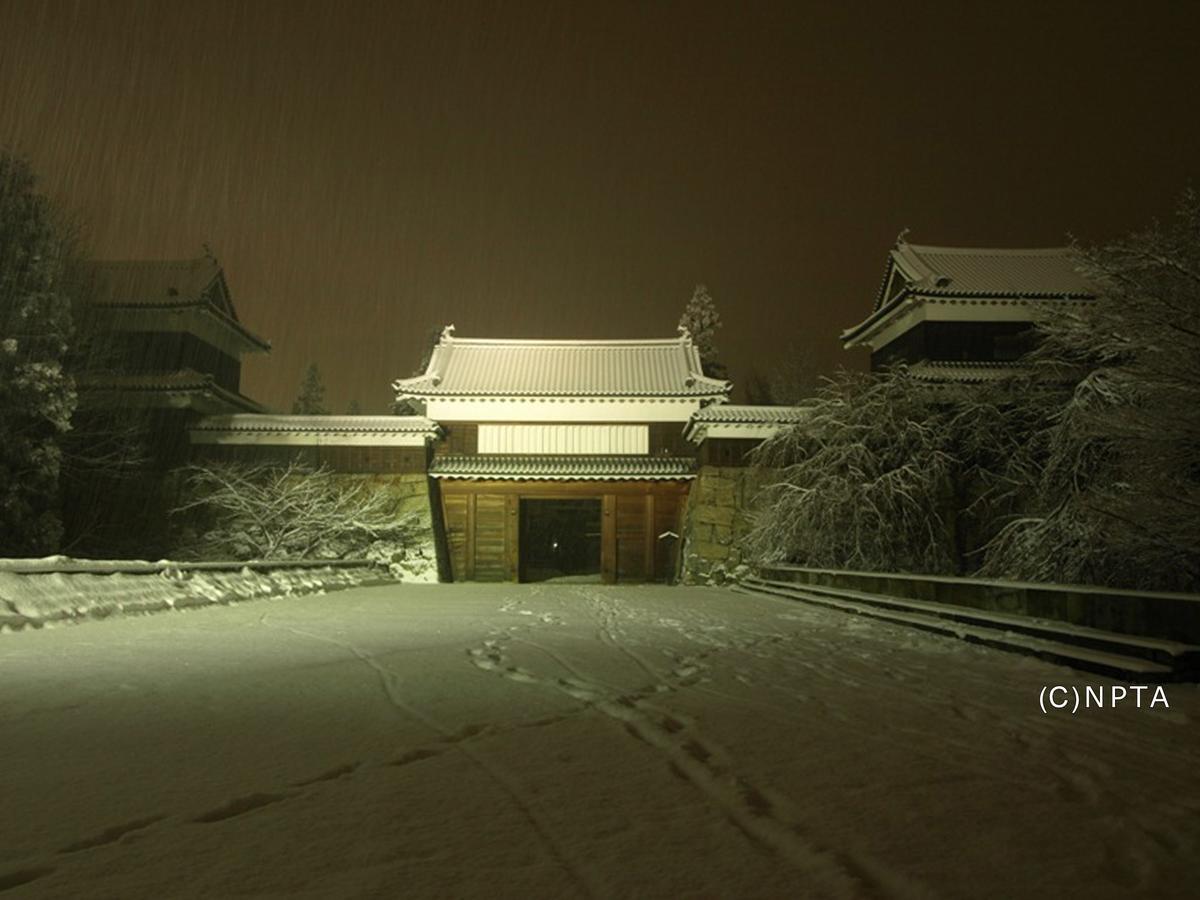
column 57, row 589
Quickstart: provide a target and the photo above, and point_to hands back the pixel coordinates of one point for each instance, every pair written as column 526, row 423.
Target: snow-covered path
column 573, row 740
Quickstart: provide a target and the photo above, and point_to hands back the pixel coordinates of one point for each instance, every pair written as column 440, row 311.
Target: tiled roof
column 989, row 272
column 183, row 381
column 974, row 275
column 946, row 371
column 163, row 284
column 150, row 282
column 749, row 415
column 552, row 368
column 274, row 423
column 563, row 468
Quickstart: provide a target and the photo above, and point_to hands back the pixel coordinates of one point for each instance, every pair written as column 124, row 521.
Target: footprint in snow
column 239, row 807
column 487, row 658
column 413, row 756
column 331, row 775
column 19, row 877
column 579, row 690
column 111, row 835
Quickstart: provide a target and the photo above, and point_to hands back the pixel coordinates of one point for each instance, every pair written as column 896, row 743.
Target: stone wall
column 719, row 514
column 418, row 561
column 1152, row 614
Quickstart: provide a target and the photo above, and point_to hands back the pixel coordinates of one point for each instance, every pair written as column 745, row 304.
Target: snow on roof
column 164, row 284
column 151, row 282
column 1046, row 272
column 978, row 274
column 563, row 468
column 668, row 367
column 287, row 424
column 751, row 415
column 183, row 385
column 955, row 372
column 738, row 421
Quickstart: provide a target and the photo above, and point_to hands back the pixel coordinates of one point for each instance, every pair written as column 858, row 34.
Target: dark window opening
column 958, row 342
column 560, row 540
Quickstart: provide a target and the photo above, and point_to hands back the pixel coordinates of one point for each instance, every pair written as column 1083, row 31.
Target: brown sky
column 366, row 171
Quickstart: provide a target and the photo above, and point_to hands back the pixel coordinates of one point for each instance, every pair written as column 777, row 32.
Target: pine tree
column 701, row 319
column 311, row 401
column 37, row 397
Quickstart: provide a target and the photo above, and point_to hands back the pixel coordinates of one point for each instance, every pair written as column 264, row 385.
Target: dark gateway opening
column 560, row 539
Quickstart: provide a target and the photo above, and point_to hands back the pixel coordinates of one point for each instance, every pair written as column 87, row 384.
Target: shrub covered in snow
column 1084, row 470
column 1113, row 478
column 887, row 472
column 289, row 511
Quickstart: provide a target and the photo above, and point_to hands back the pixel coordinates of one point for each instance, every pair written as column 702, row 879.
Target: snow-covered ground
column 573, row 740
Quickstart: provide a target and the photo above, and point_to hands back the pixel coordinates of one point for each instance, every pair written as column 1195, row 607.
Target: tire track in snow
column 389, row 681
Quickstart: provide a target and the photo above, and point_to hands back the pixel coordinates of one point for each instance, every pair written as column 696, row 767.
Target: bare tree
column 291, row 511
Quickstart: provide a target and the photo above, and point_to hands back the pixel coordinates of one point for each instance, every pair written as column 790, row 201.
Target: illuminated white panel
column 565, row 439
column 575, row 409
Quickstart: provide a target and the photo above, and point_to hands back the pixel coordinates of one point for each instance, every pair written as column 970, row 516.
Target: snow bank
column 33, row 594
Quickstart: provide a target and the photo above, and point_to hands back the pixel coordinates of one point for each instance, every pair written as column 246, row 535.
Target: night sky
column 365, row 172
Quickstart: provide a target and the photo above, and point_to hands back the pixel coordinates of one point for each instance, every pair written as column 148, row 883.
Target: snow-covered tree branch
column 1117, row 498
column 272, row 511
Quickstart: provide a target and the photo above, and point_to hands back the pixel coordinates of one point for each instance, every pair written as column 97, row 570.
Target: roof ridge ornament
column 447, row 333
column 902, row 237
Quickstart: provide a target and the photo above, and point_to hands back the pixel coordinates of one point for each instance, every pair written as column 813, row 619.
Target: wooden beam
column 470, row 545
column 608, row 539
column 650, row 536
column 512, row 538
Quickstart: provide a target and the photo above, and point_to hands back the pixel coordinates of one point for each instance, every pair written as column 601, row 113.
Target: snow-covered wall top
column 401, row 431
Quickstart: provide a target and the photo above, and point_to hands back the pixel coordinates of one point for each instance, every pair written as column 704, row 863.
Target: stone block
column 722, row 534
column 722, row 494
column 414, row 504
column 709, row 550
column 715, row 515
